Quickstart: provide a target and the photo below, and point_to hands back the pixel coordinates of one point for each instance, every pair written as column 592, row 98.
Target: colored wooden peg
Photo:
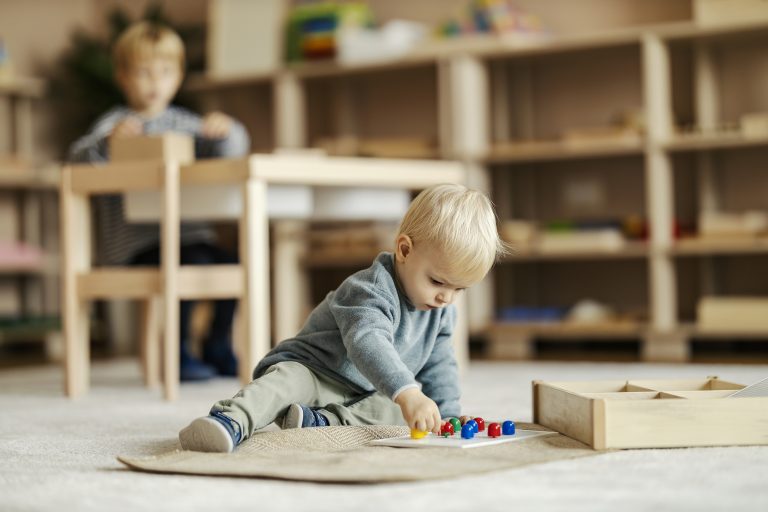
column 467, row 432
column 473, row 424
column 418, row 434
column 480, row 423
column 464, row 419
column 447, row 429
column 494, row 430
column 508, row 428
column 456, row 424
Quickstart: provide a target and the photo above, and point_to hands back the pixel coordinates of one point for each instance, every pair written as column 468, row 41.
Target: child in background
column 149, row 67
column 378, row 349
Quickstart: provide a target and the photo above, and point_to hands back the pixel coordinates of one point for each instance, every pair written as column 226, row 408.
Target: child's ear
column 403, row 248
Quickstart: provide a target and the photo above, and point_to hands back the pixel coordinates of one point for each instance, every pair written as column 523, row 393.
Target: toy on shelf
column 749, row 224
column 312, row 29
column 498, row 17
column 754, row 125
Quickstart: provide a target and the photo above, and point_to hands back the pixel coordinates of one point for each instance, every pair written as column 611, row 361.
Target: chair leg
column 75, row 246
column 150, row 342
column 77, row 350
column 169, row 261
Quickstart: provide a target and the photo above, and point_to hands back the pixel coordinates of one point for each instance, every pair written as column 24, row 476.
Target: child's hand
column 419, row 411
column 128, row 127
column 216, row 125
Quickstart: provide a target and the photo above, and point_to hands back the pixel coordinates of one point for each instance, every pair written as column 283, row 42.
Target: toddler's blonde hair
column 460, row 223
column 146, row 39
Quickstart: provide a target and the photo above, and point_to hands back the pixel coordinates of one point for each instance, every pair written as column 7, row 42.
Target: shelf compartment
column 698, row 394
column 637, row 395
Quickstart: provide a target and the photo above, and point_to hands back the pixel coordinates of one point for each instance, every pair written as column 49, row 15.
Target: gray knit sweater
column 368, row 335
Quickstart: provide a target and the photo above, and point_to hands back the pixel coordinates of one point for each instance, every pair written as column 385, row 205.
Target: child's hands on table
column 216, row 125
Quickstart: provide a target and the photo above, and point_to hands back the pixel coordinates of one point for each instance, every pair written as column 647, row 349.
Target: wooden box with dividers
column 651, row 413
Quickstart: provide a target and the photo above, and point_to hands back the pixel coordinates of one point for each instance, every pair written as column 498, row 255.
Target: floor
column 60, row 454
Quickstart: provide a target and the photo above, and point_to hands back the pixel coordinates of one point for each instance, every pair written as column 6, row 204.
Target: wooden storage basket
column 651, row 413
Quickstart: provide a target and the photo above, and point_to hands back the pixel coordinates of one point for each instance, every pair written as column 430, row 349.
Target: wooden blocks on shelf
column 733, row 314
column 168, row 146
column 754, row 125
column 651, row 413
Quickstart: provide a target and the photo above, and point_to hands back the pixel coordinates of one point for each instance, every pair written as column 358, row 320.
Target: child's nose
column 445, row 297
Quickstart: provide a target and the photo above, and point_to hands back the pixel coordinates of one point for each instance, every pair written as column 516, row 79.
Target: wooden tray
column 651, row 413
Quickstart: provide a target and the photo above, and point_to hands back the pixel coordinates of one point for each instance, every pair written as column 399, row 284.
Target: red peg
column 494, row 430
column 447, row 429
column 480, row 423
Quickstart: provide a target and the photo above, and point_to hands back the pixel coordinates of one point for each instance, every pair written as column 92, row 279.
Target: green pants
column 267, row 398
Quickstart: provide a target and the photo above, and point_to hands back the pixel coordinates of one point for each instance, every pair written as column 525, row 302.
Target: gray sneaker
column 210, row 434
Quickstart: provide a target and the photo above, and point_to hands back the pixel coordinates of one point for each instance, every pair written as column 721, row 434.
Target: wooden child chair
column 140, row 163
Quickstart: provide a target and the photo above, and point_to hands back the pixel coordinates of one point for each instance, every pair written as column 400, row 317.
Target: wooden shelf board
column 566, row 330
column 713, row 141
column 694, row 331
column 21, row 269
column 703, row 247
column 27, row 87
column 691, row 30
column 630, row 251
column 18, row 173
column 334, row 68
column 558, row 150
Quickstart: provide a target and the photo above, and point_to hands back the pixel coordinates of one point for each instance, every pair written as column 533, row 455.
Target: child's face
column 423, row 276
column 150, row 83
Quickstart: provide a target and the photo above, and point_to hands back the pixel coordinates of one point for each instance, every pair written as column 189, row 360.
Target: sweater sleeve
column 236, row 144
column 93, row 147
column 439, row 377
column 365, row 315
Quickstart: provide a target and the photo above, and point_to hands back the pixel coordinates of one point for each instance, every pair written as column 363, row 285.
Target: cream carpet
column 61, row 455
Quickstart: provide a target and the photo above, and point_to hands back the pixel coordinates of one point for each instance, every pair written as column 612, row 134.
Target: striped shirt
column 117, row 240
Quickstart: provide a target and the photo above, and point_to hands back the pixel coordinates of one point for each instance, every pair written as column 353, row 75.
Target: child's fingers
column 216, row 125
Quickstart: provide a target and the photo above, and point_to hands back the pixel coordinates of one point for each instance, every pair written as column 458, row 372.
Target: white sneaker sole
column 293, row 418
column 206, row 435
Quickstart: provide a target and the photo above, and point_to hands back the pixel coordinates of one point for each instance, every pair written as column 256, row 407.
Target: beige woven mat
column 340, row 454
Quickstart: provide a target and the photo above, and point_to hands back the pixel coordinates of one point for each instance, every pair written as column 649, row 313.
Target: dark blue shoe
column 192, row 369
column 301, row 416
column 216, row 433
column 218, row 354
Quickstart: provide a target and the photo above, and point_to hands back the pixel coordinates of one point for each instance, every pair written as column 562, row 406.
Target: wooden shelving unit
column 31, row 187
column 479, row 98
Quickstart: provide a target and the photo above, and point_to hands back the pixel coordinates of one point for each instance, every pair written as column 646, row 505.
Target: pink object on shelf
column 20, row 256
